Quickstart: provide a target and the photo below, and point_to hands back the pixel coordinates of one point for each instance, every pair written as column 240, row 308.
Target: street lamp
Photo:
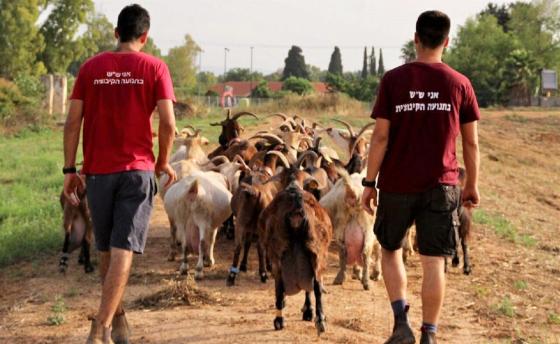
column 225, row 62
column 251, row 71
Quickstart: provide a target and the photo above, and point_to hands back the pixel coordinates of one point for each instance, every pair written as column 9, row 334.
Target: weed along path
column 512, row 295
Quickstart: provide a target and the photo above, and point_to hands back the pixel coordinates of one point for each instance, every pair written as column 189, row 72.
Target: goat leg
column 280, row 303
column 199, row 274
column 85, row 253
column 466, row 260
column 172, row 241
column 455, row 259
column 184, row 269
column 262, row 269
column 209, row 253
column 366, row 257
column 307, row 309
column 320, row 320
column 376, row 271
column 229, row 228
column 233, row 270
column 63, row 262
column 341, row 276
column 246, row 247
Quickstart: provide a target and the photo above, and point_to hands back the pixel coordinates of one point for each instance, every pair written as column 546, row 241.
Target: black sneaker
column 402, row 334
column 428, row 338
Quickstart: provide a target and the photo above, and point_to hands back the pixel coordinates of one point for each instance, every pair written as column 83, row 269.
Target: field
column 512, row 296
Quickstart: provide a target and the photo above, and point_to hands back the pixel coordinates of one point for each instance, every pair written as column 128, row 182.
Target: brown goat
column 231, row 132
column 464, row 231
column 78, row 232
column 296, row 232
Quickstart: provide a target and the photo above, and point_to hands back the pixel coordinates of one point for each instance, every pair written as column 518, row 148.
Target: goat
column 296, row 232
column 197, row 205
column 352, row 227
column 78, row 232
column 231, row 132
column 464, row 231
column 191, row 148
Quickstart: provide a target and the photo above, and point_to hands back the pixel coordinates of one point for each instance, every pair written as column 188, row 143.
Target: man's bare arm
column 471, row 157
column 72, row 129
column 166, row 135
column 377, row 147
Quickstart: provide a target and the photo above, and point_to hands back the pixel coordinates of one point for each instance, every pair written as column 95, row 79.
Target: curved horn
column 304, row 155
column 362, row 131
column 188, row 126
column 271, row 138
column 243, row 113
column 221, row 158
column 307, row 139
column 281, row 156
column 350, row 129
column 238, row 159
column 317, row 142
column 228, row 113
column 215, row 124
column 278, row 114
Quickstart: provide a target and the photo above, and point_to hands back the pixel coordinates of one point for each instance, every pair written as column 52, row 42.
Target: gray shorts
column 121, row 205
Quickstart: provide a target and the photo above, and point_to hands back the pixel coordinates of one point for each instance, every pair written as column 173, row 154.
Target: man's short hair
column 432, row 28
column 133, row 22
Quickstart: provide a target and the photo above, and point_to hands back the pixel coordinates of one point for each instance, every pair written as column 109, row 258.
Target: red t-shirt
column 120, row 91
column 426, row 104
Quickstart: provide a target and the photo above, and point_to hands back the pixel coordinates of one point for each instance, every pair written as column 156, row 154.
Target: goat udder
column 354, row 243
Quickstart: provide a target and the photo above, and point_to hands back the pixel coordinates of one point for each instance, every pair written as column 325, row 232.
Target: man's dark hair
column 133, row 22
column 432, row 28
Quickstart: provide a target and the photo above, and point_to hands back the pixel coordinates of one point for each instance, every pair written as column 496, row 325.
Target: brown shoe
column 99, row 334
column 121, row 331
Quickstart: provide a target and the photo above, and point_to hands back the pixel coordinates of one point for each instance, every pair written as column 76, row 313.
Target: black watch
column 69, row 170
column 368, row 183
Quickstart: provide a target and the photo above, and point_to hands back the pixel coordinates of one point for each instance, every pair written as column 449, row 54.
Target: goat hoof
column 307, row 314
column 278, row 323
column 243, row 267
column 88, row 268
column 339, row 279
column 198, row 275
column 455, row 262
column 375, row 276
column 264, row 277
column 320, row 325
column 81, row 260
column 183, row 269
column 230, row 282
column 171, row 257
column 366, row 286
column 62, row 268
column 467, row 270
column 207, row 263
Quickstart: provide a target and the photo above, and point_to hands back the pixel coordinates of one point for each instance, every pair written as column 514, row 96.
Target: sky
column 272, row 26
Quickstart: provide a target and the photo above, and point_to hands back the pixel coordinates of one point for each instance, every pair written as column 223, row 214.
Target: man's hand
column 73, row 184
column 471, row 197
column 167, row 169
column 370, row 194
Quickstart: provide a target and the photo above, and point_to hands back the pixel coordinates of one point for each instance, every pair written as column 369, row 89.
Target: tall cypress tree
column 372, row 62
column 381, row 68
column 364, row 68
column 295, row 64
column 335, row 65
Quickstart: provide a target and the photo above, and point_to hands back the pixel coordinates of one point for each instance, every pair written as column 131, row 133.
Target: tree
column 204, row 81
column 294, row 64
column 262, row 90
column 181, row 63
column 59, row 31
column 151, row 48
column 316, row 74
column 335, row 64
column 518, row 78
column 20, row 41
column 300, row 86
column 381, row 68
column 372, row 62
column 478, row 52
column 408, row 52
column 242, row 74
column 501, row 13
column 365, row 64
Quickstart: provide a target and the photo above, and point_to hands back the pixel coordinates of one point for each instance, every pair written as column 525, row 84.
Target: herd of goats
column 283, row 190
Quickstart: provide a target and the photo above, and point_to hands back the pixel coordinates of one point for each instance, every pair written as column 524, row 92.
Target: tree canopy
column 294, row 64
column 181, row 63
column 335, row 64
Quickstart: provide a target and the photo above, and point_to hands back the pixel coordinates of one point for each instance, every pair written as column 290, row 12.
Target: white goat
column 197, row 205
column 353, row 229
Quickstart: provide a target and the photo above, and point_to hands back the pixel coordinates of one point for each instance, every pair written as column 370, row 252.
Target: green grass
column 56, row 318
column 503, row 228
column 554, row 318
column 505, row 307
column 520, row 285
column 30, row 184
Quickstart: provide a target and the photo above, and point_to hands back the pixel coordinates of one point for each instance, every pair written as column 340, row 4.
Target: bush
column 18, row 111
column 31, row 86
column 262, row 90
column 299, row 86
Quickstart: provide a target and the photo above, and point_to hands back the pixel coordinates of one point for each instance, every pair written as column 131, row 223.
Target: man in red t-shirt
column 420, row 109
column 115, row 94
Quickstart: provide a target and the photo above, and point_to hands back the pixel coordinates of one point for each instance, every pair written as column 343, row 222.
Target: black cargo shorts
column 121, row 205
column 434, row 212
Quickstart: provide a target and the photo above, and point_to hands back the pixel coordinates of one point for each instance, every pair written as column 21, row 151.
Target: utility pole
column 225, row 62
column 252, row 70
column 199, row 70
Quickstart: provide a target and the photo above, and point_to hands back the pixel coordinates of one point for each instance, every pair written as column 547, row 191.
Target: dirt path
column 474, row 305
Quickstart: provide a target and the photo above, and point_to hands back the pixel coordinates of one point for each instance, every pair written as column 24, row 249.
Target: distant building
column 241, row 89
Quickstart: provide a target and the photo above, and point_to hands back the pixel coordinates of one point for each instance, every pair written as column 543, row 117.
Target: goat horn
column 222, row 158
column 350, row 129
column 228, row 113
column 306, row 138
column 244, row 113
column 317, row 142
column 238, row 159
column 281, row 156
column 278, row 114
column 362, row 131
column 271, row 138
column 304, row 155
column 188, row 126
column 215, row 124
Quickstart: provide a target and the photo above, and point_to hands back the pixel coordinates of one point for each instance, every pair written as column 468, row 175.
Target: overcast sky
column 272, row 26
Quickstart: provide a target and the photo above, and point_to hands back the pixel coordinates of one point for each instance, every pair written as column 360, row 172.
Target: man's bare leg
column 114, row 280
column 105, row 259
column 433, row 288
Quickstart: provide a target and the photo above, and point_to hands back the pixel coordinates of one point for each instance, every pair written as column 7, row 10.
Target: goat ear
column 193, row 191
column 310, row 184
column 204, row 141
column 349, row 194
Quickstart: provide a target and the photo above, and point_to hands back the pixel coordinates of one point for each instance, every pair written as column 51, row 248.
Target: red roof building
column 244, row 88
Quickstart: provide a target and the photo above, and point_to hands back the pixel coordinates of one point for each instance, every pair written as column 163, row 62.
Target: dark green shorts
column 434, row 212
column 121, row 205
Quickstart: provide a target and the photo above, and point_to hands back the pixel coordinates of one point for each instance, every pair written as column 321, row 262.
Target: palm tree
column 408, row 52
